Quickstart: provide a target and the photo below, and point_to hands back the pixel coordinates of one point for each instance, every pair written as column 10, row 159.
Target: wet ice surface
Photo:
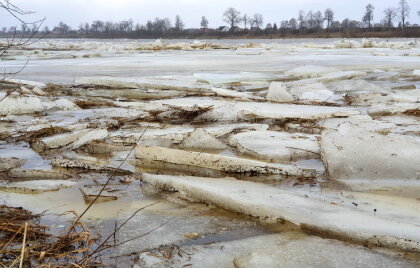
column 329, row 129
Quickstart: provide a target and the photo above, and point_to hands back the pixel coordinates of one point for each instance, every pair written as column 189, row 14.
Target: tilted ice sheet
column 269, row 110
column 276, row 146
column 267, row 202
column 354, row 152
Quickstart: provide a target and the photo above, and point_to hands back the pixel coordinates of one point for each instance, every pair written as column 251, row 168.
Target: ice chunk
column 356, row 86
column 277, row 250
column 320, row 96
column 234, row 94
column 74, row 140
column 16, row 105
column 27, row 83
column 216, row 162
column 278, row 92
column 94, row 135
column 36, row 186
column 33, row 174
column 254, row 110
column 289, row 111
column 364, row 121
column 324, row 253
column 39, row 91
column 347, row 44
column 201, row 139
column 353, row 152
column 232, row 78
column 7, row 164
column 268, row 202
column 391, row 109
column 178, row 83
column 305, row 91
column 20, row 105
column 78, row 164
column 135, row 94
column 222, row 113
column 158, row 43
column 276, row 146
column 310, row 71
column 341, row 75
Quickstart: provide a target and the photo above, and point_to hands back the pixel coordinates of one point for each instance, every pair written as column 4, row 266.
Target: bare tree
column 310, row 19
column 329, row 17
column 24, row 40
column 284, row 24
column 368, row 17
column 390, row 14
column 245, row 20
column 293, row 24
column 232, row 17
column 319, row 20
column 301, row 19
column 179, row 24
column 204, row 22
column 258, row 20
column 404, row 11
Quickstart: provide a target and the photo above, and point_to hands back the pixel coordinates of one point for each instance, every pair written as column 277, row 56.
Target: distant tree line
column 307, row 23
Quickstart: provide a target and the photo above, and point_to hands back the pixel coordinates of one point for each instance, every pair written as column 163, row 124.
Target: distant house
column 269, row 27
column 223, row 29
column 238, row 29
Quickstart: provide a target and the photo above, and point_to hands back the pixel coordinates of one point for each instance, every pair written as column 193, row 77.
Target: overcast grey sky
column 73, row 12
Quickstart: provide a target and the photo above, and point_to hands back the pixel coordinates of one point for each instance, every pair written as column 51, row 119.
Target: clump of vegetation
column 25, row 242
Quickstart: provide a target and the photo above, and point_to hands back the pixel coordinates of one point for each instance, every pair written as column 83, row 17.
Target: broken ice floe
column 187, row 84
column 368, row 155
column 216, row 162
column 236, row 111
column 16, row 105
column 72, row 140
column 267, row 202
column 288, row 249
column 276, row 146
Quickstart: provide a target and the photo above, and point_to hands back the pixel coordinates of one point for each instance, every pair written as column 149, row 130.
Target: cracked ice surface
column 209, row 119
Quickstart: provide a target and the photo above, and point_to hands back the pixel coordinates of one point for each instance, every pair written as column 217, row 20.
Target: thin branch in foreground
column 109, row 179
column 102, row 245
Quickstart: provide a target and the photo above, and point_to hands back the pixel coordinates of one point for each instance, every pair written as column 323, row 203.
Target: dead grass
column 415, row 112
column 24, row 241
column 93, row 103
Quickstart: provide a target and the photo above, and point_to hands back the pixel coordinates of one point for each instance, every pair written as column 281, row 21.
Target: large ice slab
column 254, row 110
column 165, row 82
column 231, row 78
column 278, row 250
column 73, row 140
column 267, row 202
column 276, row 146
column 216, row 162
column 353, row 152
column 17, row 105
column 303, row 91
column 324, row 253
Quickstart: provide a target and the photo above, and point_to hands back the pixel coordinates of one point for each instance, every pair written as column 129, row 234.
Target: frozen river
column 283, row 153
column 59, row 61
